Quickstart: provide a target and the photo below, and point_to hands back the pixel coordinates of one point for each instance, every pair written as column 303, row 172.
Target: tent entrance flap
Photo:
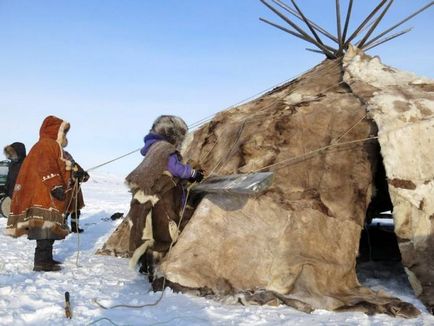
column 244, row 184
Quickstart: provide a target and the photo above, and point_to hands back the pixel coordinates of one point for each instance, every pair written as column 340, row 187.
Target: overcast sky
column 111, row 67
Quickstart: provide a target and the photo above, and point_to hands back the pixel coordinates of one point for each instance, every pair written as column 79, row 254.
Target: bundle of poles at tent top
column 364, row 33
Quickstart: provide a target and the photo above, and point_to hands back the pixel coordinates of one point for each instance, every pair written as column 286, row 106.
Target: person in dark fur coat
column 76, row 200
column 16, row 153
column 158, row 192
column 39, row 198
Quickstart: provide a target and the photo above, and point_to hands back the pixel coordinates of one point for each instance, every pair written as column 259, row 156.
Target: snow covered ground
column 35, row 298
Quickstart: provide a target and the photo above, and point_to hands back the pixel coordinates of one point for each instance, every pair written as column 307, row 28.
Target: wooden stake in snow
column 68, row 311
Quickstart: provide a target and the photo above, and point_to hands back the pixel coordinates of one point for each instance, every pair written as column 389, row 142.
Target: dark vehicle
column 4, row 168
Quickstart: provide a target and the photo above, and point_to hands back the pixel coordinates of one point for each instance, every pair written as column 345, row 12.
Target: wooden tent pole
column 294, row 34
column 306, row 21
column 338, row 23
column 346, row 25
column 314, row 50
column 387, row 39
column 285, row 30
column 354, row 35
column 315, row 26
column 347, row 20
column 329, row 54
column 369, row 24
column 399, row 24
column 374, row 26
column 291, row 32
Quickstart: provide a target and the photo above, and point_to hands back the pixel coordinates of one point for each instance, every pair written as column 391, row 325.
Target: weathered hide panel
column 233, row 244
column 402, row 105
column 291, row 125
column 118, row 242
column 301, row 237
column 248, row 247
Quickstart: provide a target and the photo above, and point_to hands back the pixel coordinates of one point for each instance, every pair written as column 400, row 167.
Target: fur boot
column 44, row 257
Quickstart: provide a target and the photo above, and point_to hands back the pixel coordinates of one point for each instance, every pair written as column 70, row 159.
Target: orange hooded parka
column 34, row 211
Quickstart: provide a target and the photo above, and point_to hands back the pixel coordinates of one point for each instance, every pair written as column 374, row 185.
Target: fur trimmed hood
column 171, row 128
column 15, row 152
column 55, row 128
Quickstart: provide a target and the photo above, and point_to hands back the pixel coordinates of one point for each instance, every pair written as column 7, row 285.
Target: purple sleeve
column 183, row 171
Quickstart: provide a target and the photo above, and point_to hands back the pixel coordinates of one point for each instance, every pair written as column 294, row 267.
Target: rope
column 176, row 318
column 245, row 120
column 318, row 150
column 77, row 226
column 369, row 241
column 74, row 196
column 349, row 130
column 230, row 152
column 333, row 144
column 208, row 118
column 101, row 319
column 153, row 324
column 95, row 300
column 113, row 160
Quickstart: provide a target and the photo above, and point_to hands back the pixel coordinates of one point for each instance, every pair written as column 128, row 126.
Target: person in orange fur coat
column 39, row 200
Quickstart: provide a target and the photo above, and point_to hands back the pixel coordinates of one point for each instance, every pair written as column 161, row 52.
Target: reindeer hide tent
column 300, row 238
column 322, row 135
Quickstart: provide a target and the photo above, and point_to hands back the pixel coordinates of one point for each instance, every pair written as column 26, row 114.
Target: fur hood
column 15, row 152
column 171, row 128
column 56, row 129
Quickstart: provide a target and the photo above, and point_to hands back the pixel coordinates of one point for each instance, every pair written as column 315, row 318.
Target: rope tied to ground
column 322, row 71
column 113, row 160
column 74, row 198
column 153, row 304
